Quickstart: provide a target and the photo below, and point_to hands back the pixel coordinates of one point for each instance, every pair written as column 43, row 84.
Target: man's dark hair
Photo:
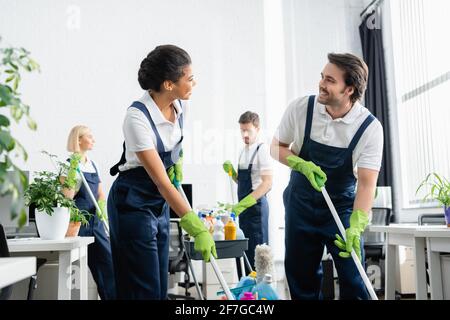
column 356, row 72
column 165, row 62
column 249, row 117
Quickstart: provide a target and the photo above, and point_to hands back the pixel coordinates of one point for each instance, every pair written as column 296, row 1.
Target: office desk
column 13, row 269
column 67, row 251
column 437, row 240
column 403, row 235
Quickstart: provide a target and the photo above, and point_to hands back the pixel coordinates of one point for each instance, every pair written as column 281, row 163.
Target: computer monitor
column 188, row 191
column 5, row 209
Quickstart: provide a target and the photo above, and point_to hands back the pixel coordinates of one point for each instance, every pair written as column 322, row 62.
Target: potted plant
column 13, row 63
column 52, row 207
column 439, row 190
column 77, row 218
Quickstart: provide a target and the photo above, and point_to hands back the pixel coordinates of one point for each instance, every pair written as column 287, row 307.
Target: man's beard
column 329, row 100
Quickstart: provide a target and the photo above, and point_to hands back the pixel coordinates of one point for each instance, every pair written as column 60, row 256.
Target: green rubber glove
column 358, row 222
column 74, row 161
column 204, row 242
column 228, row 168
column 103, row 214
column 313, row 173
column 175, row 173
column 245, row 203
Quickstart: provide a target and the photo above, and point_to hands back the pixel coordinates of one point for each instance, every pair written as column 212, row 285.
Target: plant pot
column 53, row 227
column 447, row 216
column 74, row 228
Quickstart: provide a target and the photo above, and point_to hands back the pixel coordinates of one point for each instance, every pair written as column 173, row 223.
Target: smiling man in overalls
column 254, row 180
column 323, row 139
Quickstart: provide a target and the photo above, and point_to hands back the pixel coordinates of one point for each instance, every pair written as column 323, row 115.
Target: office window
column 420, row 32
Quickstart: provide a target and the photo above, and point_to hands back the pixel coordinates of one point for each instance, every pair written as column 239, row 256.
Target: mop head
column 263, row 261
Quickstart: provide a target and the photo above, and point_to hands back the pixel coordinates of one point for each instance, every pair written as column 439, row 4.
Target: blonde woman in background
column 100, row 262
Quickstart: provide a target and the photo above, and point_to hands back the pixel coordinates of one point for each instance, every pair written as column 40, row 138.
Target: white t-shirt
column 337, row 133
column 262, row 164
column 139, row 135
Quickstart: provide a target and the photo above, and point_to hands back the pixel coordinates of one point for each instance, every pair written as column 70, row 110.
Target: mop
column 211, row 259
column 91, row 195
column 233, row 198
column 353, row 253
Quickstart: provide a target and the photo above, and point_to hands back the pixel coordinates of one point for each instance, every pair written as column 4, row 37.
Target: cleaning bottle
column 224, row 218
column 211, row 223
column 239, row 233
column 230, row 230
column 206, row 222
column 248, row 282
column 219, row 230
column 264, row 289
column 247, row 296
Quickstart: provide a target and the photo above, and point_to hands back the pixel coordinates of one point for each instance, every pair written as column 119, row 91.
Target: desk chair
column 178, row 261
column 374, row 242
column 430, row 219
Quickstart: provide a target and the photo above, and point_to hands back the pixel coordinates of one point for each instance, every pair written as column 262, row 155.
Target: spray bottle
column 264, row 289
column 219, row 230
column 239, row 233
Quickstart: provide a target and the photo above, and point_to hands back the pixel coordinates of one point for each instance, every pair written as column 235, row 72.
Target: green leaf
column 439, row 189
column 10, row 71
column 6, row 140
column 13, row 65
column 22, row 218
column 4, row 121
column 16, row 83
column 21, row 149
column 438, row 178
column 9, row 79
column 33, row 64
column 5, row 94
column 31, row 124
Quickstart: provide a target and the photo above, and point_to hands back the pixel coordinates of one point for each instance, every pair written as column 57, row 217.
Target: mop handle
column 221, row 278
column 353, row 253
column 86, row 185
column 233, row 198
column 219, row 274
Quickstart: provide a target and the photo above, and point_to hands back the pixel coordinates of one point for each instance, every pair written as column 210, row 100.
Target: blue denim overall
column 253, row 221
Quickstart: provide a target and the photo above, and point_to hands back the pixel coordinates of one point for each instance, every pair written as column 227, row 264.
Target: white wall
column 90, row 52
column 314, row 29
